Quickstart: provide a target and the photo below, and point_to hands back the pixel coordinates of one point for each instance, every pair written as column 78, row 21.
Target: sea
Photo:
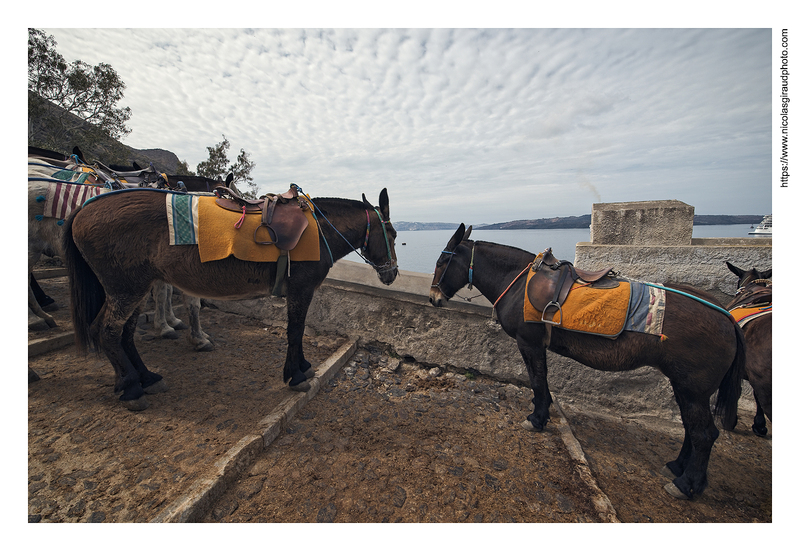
column 417, row 251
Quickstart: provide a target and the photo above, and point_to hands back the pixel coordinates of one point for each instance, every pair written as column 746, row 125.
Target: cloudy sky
column 460, row 125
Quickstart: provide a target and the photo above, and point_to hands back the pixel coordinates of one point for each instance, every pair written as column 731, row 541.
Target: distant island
column 573, row 222
column 422, row 226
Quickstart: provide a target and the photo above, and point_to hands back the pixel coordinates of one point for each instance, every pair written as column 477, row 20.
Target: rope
column 525, row 269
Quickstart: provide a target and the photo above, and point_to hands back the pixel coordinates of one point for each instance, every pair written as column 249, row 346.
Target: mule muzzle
column 437, row 297
column 388, row 276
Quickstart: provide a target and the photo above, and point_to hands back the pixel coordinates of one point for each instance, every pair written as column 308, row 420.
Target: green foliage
column 83, row 94
column 217, row 167
column 183, row 168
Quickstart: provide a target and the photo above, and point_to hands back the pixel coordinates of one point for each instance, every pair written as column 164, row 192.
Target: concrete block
column 642, row 223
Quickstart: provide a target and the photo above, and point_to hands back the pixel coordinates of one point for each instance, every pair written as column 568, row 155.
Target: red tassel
column 663, row 337
column 238, row 224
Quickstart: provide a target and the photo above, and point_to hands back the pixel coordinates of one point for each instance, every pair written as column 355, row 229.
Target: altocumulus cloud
column 461, row 125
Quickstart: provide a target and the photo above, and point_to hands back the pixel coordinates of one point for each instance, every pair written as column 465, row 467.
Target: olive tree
column 63, row 97
column 217, row 167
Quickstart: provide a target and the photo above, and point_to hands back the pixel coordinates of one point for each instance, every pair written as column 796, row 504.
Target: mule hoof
column 180, row 326
column 206, row 346
column 527, row 425
column 157, row 387
column 665, row 472
column 674, row 491
column 172, row 335
column 309, row 373
column 760, row 431
column 305, row 386
column 40, row 325
column 137, row 405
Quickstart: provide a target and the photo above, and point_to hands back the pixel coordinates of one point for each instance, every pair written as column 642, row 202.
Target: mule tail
column 730, row 389
column 87, row 295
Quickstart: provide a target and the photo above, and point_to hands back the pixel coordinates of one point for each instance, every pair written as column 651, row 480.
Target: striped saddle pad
column 61, row 199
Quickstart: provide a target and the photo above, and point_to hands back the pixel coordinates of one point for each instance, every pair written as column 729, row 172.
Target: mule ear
column 366, row 203
column 228, row 180
column 767, row 274
column 77, row 152
column 383, row 203
column 467, row 233
column 738, row 271
column 456, row 239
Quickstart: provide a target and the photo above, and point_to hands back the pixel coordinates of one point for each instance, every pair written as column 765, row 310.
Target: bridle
column 436, row 282
column 380, row 268
column 392, row 262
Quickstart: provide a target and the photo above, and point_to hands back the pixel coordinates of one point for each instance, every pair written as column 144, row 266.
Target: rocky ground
column 385, row 440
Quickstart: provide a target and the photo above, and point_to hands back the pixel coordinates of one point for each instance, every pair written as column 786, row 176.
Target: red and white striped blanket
column 62, row 199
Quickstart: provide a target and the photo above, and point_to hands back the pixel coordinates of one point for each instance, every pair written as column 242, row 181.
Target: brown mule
column 755, row 288
column 117, row 245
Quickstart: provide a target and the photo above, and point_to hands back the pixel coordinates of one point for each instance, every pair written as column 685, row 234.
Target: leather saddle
column 282, row 216
column 550, row 285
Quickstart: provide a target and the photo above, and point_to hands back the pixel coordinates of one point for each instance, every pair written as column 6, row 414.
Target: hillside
column 95, row 146
column 582, row 221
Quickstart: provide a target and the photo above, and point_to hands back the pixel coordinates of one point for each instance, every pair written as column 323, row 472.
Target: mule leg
column 296, row 366
column 171, row 318
column 107, row 330
column 152, row 383
column 164, row 320
column 759, row 421
column 692, row 462
column 38, row 319
column 200, row 340
column 536, row 363
column 759, row 373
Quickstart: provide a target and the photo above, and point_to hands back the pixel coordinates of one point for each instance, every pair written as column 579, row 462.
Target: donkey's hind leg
column 165, row 323
column 152, row 383
column 109, row 331
column 759, row 421
column 691, row 466
column 200, row 339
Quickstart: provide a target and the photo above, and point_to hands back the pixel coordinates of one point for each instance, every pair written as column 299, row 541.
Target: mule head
column 379, row 242
column 452, row 268
column 746, row 276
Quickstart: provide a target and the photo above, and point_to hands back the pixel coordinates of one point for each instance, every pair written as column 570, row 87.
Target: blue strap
column 698, row 299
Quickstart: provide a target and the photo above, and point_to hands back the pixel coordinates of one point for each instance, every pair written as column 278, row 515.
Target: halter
column 471, row 269
column 379, row 268
column 744, row 287
column 385, row 237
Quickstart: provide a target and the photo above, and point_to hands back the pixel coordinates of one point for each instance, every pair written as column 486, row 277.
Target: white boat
column 764, row 228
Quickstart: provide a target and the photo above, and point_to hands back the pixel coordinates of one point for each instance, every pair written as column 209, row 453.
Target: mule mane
column 508, row 256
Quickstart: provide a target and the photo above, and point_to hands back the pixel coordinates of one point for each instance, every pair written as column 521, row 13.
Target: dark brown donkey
column 118, row 244
column 704, row 349
column 754, row 292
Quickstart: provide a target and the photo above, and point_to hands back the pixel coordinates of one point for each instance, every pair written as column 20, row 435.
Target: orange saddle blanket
column 630, row 306
column 745, row 315
column 588, row 310
column 199, row 220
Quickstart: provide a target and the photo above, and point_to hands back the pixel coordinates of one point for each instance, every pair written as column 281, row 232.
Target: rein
column 380, row 268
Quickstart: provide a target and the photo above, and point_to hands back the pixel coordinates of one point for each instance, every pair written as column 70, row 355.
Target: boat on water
column 764, row 228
